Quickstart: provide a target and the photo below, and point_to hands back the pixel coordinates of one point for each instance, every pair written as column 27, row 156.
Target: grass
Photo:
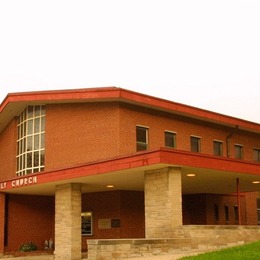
column 249, row 251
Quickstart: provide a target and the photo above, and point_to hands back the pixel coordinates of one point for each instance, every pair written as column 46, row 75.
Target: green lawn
column 250, row 251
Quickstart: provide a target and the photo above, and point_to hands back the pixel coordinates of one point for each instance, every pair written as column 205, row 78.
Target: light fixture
column 110, row 186
column 190, row 174
column 255, row 182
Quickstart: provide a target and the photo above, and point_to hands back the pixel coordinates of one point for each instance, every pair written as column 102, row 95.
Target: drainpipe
column 228, row 140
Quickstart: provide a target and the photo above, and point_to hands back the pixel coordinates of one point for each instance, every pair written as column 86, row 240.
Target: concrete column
column 163, row 202
column 2, row 222
column 68, row 222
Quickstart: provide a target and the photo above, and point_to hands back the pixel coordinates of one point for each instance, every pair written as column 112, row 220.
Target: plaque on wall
column 104, row 223
column 115, row 223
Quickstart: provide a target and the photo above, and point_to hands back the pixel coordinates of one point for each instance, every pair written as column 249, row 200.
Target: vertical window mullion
column 29, row 157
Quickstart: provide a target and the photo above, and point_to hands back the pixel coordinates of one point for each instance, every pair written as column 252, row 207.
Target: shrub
column 27, row 247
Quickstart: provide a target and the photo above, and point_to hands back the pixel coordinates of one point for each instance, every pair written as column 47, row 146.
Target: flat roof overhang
column 213, row 174
column 15, row 103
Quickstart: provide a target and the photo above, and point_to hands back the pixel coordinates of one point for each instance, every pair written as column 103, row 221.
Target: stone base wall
column 107, row 249
column 215, row 237
column 186, row 238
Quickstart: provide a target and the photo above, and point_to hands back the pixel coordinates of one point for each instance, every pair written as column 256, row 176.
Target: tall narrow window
column 258, row 210
column 195, row 143
column 257, row 155
column 170, row 139
column 236, row 213
column 238, row 151
column 218, row 148
column 227, row 213
column 141, row 138
column 216, row 213
column 30, row 143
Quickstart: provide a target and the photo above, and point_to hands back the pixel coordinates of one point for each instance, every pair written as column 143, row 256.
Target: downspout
column 228, row 140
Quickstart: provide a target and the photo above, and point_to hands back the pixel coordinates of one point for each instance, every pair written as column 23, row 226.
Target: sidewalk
column 168, row 256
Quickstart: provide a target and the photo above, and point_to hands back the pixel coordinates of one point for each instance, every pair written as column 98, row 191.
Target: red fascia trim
column 62, row 95
column 190, row 159
column 188, row 110
column 163, row 156
column 117, row 164
column 127, row 96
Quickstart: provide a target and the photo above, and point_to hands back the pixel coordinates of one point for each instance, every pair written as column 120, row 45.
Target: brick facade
column 93, row 132
column 2, row 222
column 85, row 129
column 30, row 219
column 127, row 206
column 8, row 140
column 199, row 209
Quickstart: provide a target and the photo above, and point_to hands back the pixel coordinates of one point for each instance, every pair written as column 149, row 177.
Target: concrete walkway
column 34, row 257
column 169, row 256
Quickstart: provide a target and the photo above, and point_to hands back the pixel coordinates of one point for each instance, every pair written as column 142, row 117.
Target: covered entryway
column 164, row 176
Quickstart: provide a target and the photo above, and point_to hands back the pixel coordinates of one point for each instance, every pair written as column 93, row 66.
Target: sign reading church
column 18, row 182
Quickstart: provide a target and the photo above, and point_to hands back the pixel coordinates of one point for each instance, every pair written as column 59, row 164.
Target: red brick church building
column 112, row 163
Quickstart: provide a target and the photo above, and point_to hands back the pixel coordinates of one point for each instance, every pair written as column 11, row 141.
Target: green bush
column 27, row 247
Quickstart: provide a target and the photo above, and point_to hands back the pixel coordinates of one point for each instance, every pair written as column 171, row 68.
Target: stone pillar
column 68, row 222
column 2, row 222
column 163, row 202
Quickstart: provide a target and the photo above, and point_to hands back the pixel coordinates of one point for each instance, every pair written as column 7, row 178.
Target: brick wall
column 8, row 140
column 199, row 209
column 2, row 222
column 132, row 213
column 194, row 209
column 158, row 122
column 128, row 206
column 30, row 219
column 104, row 130
column 80, row 133
column 251, row 204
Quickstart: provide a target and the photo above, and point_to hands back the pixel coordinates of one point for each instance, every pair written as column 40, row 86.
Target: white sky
column 200, row 53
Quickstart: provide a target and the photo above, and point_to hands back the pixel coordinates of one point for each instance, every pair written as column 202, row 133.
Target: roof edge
column 130, row 97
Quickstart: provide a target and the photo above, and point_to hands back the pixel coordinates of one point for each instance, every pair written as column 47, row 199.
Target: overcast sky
column 200, row 53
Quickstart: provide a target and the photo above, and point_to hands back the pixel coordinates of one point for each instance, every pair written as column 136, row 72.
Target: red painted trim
column 141, row 159
column 113, row 93
column 186, row 110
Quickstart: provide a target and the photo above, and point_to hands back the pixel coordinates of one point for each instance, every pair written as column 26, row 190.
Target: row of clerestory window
column 170, row 141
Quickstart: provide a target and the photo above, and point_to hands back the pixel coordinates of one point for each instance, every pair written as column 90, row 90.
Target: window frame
column 173, row 135
column 31, row 140
column 238, row 153
column 142, row 145
column 258, row 210
column 219, row 151
column 256, row 154
column 198, row 144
